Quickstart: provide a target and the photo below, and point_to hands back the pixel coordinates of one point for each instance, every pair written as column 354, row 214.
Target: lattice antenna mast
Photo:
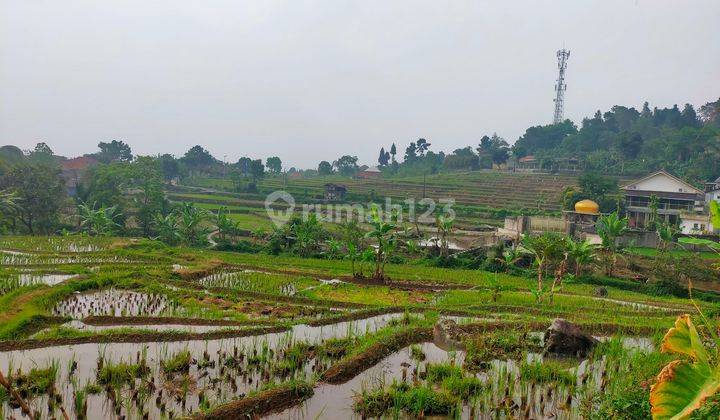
column 560, row 86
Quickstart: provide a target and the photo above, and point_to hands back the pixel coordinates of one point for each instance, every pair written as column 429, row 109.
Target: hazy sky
column 311, row 80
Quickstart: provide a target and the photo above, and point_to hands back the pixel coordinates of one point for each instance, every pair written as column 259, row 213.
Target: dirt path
column 18, row 304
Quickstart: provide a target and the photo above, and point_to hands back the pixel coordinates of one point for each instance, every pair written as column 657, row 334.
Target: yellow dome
column 587, row 207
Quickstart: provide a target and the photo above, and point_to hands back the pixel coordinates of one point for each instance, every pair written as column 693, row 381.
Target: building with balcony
column 676, row 200
column 712, row 191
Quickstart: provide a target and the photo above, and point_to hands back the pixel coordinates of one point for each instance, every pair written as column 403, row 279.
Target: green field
column 200, row 301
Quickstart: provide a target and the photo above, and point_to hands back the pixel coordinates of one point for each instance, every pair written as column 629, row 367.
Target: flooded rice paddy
column 505, row 388
column 248, row 280
column 113, row 302
column 15, row 281
column 170, row 379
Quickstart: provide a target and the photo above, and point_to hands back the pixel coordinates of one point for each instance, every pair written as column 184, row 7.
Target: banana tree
column 225, row 225
column 547, row 249
column 581, row 253
column 190, row 224
column 666, row 232
column 99, row 221
column 684, row 384
column 167, row 228
column 511, row 256
column 384, row 233
column 610, row 228
column 444, row 228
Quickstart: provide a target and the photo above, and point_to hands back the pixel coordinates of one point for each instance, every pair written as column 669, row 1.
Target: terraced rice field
column 479, row 188
column 136, row 329
column 480, row 197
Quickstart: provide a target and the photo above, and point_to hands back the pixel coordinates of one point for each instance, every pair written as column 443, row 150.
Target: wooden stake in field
column 23, row 405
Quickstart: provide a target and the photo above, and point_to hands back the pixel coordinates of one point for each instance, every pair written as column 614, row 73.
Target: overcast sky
column 311, row 80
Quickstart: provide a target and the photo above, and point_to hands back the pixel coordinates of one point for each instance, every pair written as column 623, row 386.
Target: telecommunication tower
column 560, row 86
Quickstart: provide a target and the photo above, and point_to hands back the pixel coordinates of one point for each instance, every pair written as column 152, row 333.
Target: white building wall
column 662, row 183
column 713, row 195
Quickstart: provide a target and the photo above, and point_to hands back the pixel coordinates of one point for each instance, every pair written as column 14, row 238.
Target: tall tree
column 274, row 164
column 384, row 157
column 257, row 170
column 149, row 201
column 170, row 167
column 422, row 147
column 42, row 154
column 244, row 164
column 114, row 151
column 198, row 158
column 106, row 186
column 393, row 152
column 411, row 153
column 325, row 168
column 346, row 165
column 40, row 193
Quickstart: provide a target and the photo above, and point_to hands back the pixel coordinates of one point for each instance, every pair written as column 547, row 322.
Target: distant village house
column 369, row 173
column 73, row 171
column 335, row 192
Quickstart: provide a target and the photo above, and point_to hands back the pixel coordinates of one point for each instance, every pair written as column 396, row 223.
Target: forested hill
column 627, row 141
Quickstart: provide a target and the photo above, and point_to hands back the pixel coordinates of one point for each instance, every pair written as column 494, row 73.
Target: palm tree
column 581, row 253
column 611, row 227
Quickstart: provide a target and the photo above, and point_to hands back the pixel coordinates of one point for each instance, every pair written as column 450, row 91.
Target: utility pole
column 560, row 86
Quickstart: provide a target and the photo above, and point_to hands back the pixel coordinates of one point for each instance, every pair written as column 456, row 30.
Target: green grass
column 653, row 252
column 547, row 371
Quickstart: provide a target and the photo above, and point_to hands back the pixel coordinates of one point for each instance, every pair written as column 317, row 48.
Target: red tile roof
column 79, row 163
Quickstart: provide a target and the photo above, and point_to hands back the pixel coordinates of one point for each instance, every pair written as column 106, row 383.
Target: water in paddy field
column 13, row 282
column 223, row 370
column 81, row 326
column 34, row 259
column 335, row 401
column 507, row 395
column 28, row 279
column 243, row 280
column 113, row 302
